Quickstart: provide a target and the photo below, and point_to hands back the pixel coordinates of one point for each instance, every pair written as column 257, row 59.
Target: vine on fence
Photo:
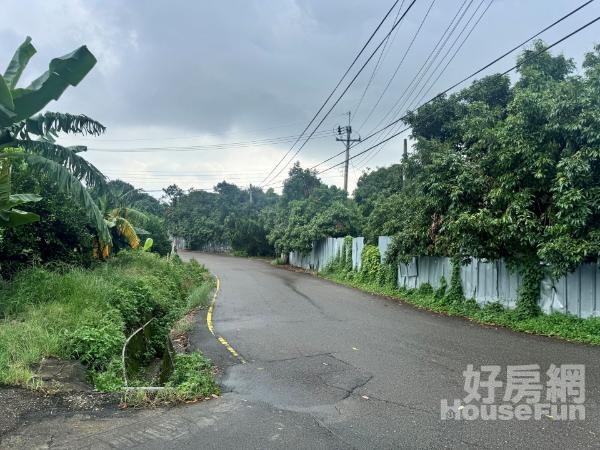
column 348, row 253
column 369, row 266
column 529, row 292
column 455, row 292
column 373, row 272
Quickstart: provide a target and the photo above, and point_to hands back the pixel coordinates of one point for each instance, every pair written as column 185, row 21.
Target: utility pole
column 347, row 141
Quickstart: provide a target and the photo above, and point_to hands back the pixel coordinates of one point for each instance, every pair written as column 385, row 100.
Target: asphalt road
column 330, row 367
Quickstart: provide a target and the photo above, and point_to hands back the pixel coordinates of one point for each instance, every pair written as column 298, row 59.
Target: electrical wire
column 367, row 158
column 387, row 86
column 487, row 66
column 516, row 66
column 346, row 89
column 334, row 89
column 208, row 147
column 380, row 61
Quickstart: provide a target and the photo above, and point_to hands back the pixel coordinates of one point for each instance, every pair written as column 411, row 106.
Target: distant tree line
column 498, row 170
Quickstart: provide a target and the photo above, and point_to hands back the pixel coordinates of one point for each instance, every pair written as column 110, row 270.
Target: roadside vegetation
column 87, row 314
column 500, row 169
column 85, row 262
column 381, row 278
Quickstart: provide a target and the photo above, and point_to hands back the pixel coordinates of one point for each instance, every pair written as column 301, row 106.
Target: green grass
column 558, row 325
column 199, row 297
column 183, row 326
column 87, row 314
column 192, row 379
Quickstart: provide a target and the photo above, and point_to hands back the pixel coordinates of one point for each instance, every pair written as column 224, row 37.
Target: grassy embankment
column 88, row 314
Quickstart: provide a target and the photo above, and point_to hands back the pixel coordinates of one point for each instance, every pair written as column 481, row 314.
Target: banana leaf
column 16, row 217
column 63, row 72
column 10, row 217
column 18, row 63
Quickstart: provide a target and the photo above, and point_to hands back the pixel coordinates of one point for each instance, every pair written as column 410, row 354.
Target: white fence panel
column 358, row 244
column 577, row 293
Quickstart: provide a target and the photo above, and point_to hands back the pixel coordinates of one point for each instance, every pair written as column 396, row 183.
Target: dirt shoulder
column 22, row 406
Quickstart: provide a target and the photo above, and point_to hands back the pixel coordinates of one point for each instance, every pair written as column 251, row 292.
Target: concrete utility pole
column 347, row 141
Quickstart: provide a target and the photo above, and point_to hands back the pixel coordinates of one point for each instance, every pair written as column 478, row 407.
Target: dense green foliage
column 87, row 314
column 62, row 300
column 133, row 215
column 500, row 171
column 62, row 236
column 307, row 211
column 19, row 126
column 253, row 222
column 228, row 217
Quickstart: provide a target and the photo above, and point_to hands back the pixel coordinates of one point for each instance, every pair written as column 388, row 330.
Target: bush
column 440, row 292
column 455, row 292
column 87, row 314
column 425, row 289
column 111, row 379
column 158, row 232
column 95, row 344
column 62, row 236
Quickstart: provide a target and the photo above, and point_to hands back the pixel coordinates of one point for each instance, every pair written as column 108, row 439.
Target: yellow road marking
column 211, row 307
column 211, row 328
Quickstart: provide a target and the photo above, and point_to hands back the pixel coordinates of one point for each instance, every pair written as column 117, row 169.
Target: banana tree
column 9, row 215
column 35, row 135
column 121, row 216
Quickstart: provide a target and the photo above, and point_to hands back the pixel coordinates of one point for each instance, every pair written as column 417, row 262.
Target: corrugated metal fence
column 486, row 281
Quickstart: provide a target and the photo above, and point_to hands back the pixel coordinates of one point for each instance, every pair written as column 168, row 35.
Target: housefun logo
column 523, row 397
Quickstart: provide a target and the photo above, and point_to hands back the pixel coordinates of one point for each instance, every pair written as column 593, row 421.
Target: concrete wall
column 486, row 281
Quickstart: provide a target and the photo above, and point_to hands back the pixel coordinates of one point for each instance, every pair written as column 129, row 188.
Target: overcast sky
column 174, row 74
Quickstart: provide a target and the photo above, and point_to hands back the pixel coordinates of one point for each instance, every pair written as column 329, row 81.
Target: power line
column 207, row 147
column 425, row 63
column 369, row 157
column 347, row 87
column 169, row 138
column 374, row 107
column 429, row 62
column 448, row 50
column 380, row 60
column 176, row 172
column 456, row 52
column 516, row 66
column 334, row 89
column 439, row 51
column 487, row 66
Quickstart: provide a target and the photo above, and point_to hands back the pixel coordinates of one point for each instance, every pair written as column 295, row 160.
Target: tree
column 300, row 183
column 511, row 171
column 72, row 173
column 62, row 236
column 372, row 190
column 230, row 216
column 308, row 211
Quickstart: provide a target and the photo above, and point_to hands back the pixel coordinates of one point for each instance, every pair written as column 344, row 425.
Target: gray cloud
column 219, row 71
